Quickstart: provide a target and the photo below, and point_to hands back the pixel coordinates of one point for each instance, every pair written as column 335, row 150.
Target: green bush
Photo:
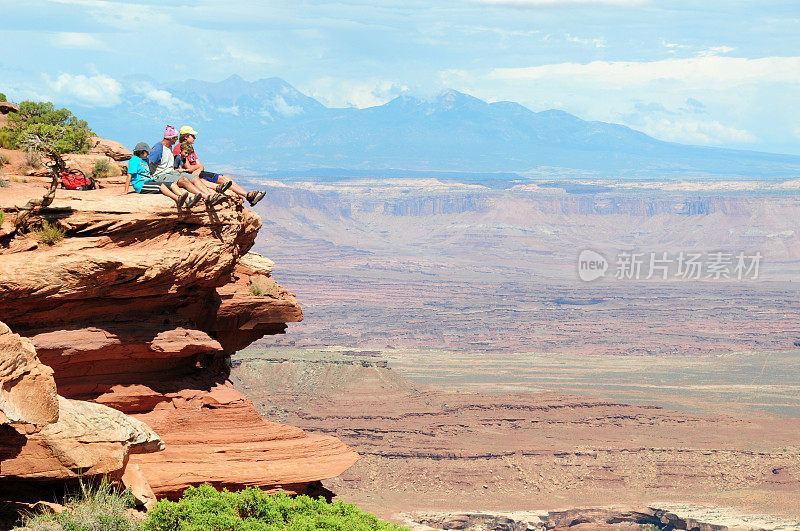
column 97, row 507
column 205, row 508
column 3, row 97
column 4, row 159
column 255, row 290
column 2, row 217
column 101, row 168
column 58, row 129
column 48, row 233
column 6, row 139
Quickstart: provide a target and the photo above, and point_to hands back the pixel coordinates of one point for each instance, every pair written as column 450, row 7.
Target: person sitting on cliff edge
column 193, row 164
column 141, row 182
column 162, row 164
column 182, row 164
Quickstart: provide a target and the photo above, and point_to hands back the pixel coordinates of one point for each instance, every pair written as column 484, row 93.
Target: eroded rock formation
column 131, row 318
column 44, row 436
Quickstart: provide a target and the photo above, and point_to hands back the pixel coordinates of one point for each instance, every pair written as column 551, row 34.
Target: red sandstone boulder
column 87, row 440
column 27, row 388
column 109, row 148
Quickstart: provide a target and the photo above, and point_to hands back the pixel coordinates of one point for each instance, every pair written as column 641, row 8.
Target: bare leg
column 185, row 183
column 201, row 184
column 167, row 191
column 235, row 188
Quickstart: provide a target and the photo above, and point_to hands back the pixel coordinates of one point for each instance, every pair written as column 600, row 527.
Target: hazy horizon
column 721, row 74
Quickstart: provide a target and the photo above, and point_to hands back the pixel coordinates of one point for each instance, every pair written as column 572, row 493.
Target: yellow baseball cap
column 186, row 130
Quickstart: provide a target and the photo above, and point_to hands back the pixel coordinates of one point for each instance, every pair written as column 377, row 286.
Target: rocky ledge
column 114, row 355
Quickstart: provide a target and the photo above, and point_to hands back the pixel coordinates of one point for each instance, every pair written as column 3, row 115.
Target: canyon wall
column 115, row 348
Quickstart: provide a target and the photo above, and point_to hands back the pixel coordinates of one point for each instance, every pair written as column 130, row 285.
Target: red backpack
column 76, row 180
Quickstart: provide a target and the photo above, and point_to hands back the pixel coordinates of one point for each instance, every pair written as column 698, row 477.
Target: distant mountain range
column 268, row 125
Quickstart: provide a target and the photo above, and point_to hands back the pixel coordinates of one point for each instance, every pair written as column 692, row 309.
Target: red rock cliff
column 133, row 316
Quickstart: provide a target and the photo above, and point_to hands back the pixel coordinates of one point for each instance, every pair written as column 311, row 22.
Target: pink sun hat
column 170, row 132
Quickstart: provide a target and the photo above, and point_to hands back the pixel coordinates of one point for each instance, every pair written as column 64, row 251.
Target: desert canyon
column 446, row 371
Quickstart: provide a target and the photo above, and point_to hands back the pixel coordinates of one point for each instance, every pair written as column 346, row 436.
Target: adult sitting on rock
column 139, row 178
column 194, row 165
column 182, row 164
column 162, row 168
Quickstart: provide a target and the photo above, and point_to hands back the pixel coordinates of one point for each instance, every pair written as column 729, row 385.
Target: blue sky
column 713, row 73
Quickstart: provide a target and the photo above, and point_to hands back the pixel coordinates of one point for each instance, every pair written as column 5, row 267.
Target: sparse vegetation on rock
column 48, row 233
column 251, row 509
column 97, row 507
column 33, row 159
column 57, row 129
column 255, row 290
column 101, row 168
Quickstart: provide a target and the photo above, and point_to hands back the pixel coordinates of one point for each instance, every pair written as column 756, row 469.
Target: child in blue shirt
column 139, row 178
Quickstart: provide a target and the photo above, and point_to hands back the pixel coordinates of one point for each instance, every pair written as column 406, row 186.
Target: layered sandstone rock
column 45, row 436
column 135, row 313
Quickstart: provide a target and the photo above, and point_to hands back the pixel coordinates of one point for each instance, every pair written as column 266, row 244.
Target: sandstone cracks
column 132, row 317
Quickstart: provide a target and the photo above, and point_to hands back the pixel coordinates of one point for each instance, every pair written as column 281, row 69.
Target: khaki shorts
column 169, row 177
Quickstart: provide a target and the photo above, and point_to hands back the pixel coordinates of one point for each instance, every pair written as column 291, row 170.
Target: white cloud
column 696, row 132
column 699, row 71
column 232, row 54
column 94, row 91
column 561, row 3
column 674, row 45
column 597, row 43
column 124, row 15
column 234, row 110
column 715, row 50
column 354, row 93
column 283, row 108
column 77, row 41
column 163, row 98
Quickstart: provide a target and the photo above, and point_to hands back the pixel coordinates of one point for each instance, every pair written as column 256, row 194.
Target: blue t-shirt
column 140, row 172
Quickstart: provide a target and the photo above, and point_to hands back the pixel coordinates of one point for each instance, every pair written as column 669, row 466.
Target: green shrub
column 4, row 159
column 6, row 139
column 256, row 291
column 2, row 217
column 3, row 97
column 205, row 508
column 48, row 233
column 101, row 168
column 58, row 129
column 97, row 507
